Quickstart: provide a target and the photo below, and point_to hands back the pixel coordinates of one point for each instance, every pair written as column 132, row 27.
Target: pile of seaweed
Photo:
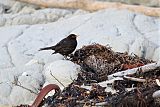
column 97, row 62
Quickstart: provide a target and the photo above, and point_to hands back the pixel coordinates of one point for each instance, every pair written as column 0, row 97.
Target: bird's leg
column 53, row 53
column 65, row 57
column 70, row 55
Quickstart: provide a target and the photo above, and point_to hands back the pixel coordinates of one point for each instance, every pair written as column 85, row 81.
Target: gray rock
column 3, row 8
column 29, row 15
column 8, row 3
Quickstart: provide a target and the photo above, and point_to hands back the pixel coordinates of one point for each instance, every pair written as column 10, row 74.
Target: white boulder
column 63, row 71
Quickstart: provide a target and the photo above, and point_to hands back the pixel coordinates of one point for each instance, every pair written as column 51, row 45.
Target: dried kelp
column 100, row 61
column 97, row 62
column 76, row 96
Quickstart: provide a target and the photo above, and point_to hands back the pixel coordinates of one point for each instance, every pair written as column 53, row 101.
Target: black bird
column 65, row 47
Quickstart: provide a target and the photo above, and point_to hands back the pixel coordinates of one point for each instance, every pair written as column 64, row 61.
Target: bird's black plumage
column 65, row 47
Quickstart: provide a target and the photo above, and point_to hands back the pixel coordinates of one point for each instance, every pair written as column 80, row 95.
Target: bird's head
column 72, row 36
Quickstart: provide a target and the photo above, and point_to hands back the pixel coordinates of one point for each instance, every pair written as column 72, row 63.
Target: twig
column 135, row 79
column 144, row 68
column 102, row 104
column 56, row 79
column 90, row 102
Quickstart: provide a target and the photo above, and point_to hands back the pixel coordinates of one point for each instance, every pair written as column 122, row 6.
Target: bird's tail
column 47, row 48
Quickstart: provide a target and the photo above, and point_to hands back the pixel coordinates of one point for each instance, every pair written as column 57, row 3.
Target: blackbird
column 65, row 47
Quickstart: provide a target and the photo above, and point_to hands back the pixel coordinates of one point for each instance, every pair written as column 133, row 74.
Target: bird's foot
column 65, row 57
column 70, row 55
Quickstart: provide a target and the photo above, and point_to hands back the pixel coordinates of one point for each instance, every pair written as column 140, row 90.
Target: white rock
column 7, row 91
column 156, row 55
column 32, row 75
column 63, row 70
column 141, row 20
column 2, row 21
column 5, row 59
column 21, row 7
column 119, row 45
column 104, row 24
column 30, row 82
column 8, row 75
column 2, row 8
column 20, row 96
column 8, row 36
column 154, row 36
column 7, row 2
column 28, row 10
column 45, row 57
column 143, row 48
column 28, row 15
column 4, row 101
column 17, row 6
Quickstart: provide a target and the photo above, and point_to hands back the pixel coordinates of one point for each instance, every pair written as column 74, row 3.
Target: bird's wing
column 63, row 41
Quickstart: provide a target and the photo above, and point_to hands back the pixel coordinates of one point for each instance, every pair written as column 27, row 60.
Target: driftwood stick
column 111, row 81
column 102, row 104
column 134, row 79
column 144, row 68
column 93, row 5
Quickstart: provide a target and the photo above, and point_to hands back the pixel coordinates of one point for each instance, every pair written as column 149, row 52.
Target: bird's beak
column 77, row 36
